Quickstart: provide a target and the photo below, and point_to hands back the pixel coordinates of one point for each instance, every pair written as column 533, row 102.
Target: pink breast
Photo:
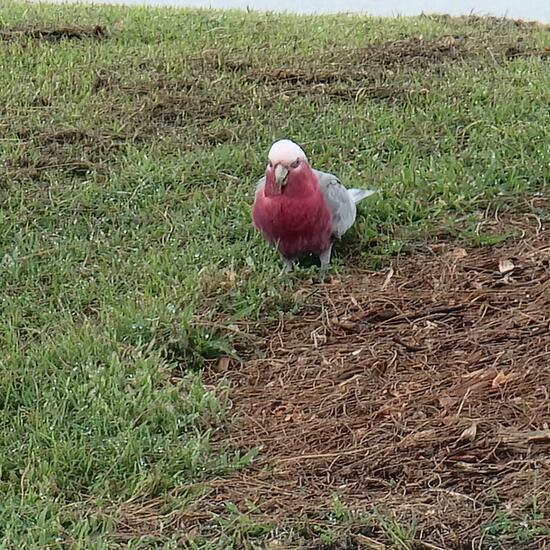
column 295, row 226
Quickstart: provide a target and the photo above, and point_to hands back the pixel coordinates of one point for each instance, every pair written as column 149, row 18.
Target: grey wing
column 340, row 202
column 259, row 185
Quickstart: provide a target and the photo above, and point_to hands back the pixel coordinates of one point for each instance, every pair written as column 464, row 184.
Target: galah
column 300, row 210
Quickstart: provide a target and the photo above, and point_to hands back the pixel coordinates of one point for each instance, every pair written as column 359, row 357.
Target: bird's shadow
column 345, row 248
column 307, row 262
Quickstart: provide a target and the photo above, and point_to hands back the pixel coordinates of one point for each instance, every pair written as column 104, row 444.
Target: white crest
column 285, row 151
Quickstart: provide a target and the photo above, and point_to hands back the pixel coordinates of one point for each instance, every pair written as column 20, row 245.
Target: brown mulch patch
column 421, row 392
column 53, row 34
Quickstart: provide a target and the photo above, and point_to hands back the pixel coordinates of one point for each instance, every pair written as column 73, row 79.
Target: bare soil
column 53, row 34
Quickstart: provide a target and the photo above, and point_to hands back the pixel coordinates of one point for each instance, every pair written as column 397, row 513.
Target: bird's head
column 287, row 166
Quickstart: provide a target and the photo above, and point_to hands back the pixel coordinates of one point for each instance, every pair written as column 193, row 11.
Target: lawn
column 130, row 143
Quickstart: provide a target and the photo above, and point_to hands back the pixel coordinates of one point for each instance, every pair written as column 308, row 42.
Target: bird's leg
column 325, row 257
column 287, row 263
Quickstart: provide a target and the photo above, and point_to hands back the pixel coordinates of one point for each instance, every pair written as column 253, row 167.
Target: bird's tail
column 360, row 194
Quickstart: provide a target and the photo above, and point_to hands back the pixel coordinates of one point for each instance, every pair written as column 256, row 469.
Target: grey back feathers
column 341, row 201
column 259, row 185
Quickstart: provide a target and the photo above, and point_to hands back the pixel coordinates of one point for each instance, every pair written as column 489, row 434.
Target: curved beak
column 281, row 174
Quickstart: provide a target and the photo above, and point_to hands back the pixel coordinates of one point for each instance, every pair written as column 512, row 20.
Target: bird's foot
column 288, row 265
column 324, row 258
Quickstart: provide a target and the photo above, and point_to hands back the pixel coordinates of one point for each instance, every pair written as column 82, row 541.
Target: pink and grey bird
column 300, row 210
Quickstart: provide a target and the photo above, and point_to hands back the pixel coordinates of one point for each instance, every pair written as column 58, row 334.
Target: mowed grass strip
column 130, row 141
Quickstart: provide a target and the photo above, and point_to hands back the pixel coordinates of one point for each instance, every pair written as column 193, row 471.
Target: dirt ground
column 421, row 391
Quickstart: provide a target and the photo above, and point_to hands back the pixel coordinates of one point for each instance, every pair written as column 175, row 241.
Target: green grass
column 127, row 167
column 505, row 528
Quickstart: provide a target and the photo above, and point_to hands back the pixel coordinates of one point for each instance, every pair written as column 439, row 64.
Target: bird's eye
column 270, row 164
column 295, row 163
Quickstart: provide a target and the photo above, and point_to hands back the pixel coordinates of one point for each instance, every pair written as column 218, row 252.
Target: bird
column 300, row 210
